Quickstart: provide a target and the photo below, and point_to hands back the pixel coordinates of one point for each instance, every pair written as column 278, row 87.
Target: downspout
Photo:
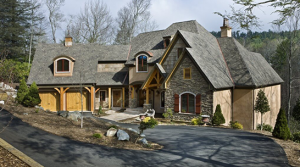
column 253, row 110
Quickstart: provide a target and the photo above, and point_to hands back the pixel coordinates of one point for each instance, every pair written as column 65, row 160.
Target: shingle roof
column 248, row 69
column 207, row 55
column 153, row 41
column 86, row 59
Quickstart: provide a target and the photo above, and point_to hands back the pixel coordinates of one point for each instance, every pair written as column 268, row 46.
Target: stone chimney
column 68, row 41
column 225, row 29
column 167, row 41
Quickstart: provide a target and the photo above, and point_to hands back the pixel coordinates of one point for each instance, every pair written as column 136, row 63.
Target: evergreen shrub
column 266, row 127
column 236, row 125
column 218, row 117
column 22, row 92
column 281, row 129
column 32, row 98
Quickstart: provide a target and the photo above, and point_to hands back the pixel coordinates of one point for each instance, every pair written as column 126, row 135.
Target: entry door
column 142, row 97
column 117, row 98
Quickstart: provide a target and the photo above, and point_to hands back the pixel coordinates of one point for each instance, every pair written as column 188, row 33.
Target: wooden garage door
column 74, row 101
column 50, row 100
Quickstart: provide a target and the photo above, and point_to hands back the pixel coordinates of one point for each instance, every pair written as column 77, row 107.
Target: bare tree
column 55, row 16
column 133, row 19
column 93, row 24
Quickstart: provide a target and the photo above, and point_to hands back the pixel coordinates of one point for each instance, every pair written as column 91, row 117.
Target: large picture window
column 187, row 103
column 63, row 65
column 142, row 63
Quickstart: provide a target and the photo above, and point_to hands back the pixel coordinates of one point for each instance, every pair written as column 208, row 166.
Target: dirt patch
column 292, row 149
column 8, row 159
column 51, row 122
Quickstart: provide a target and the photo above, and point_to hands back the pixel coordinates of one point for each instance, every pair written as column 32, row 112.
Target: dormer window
column 63, row 65
column 142, row 65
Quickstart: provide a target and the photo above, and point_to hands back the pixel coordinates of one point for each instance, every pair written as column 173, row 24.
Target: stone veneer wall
column 197, row 85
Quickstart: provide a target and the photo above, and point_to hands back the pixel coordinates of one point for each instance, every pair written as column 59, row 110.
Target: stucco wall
column 224, row 99
column 138, row 76
column 197, row 85
column 243, row 107
column 273, row 93
column 173, row 56
column 111, row 67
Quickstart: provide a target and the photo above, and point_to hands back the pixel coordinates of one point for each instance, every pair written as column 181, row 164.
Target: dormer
column 63, row 66
column 167, row 41
column 142, row 59
column 225, row 29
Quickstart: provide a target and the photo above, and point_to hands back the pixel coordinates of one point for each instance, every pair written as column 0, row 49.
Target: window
column 187, row 73
column 102, row 96
column 187, row 103
column 162, row 99
column 142, row 63
column 63, row 65
column 179, row 51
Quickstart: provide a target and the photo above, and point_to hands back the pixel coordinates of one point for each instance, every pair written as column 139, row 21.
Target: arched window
column 63, row 65
column 142, row 63
column 187, row 101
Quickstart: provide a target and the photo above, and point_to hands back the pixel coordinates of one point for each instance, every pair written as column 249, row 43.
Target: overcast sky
column 166, row 12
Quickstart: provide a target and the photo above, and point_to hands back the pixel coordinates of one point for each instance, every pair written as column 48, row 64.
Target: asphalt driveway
column 183, row 146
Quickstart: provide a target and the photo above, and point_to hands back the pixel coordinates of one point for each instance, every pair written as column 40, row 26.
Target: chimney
column 167, row 41
column 225, row 29
column 68, row 41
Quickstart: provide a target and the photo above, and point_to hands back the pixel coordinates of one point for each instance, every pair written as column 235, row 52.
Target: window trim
column 180, row 102
column 164, row 99
column 56, row 66
column 137, row 63
column 184, row 77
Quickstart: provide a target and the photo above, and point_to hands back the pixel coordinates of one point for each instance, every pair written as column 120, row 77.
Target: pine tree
column 281, row 129
column 32, row 98
column 22, row 92
column 261, row 105
column 296, row 111
column 218, row 117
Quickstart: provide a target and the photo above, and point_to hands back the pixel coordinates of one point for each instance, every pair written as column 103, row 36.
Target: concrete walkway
column 119, row 116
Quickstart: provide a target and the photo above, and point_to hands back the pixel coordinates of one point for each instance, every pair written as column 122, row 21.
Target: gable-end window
column 63, row 65
column 142, row 63
column 162, row 99
column 187, row 73
column 179, row 51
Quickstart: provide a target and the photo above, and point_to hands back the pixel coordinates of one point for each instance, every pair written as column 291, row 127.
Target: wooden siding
column 50, row 100
column 74, row 101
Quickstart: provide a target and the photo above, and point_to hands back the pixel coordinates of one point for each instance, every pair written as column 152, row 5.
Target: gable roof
column 206, row 54
column 86, row 59
column 153, row 41
column 248, row 69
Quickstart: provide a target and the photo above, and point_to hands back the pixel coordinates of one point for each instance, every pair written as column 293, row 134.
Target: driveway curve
column 183, row 146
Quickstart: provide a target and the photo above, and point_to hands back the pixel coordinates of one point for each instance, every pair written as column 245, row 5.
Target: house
column 183, row 68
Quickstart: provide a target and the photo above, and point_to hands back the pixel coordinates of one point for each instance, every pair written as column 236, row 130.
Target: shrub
column 197, row 121
column 147, row 123
column 296, row 111
column 22, row 92
column 100, row 110
column 37, row 110
column 218, row 117
column 113, row 126
column 261, row 105
column 266, row 127
column 236, row 125
column 168, row 114
column 296, row 137
column 97, row 135
column 281, row 129
column 32, row 98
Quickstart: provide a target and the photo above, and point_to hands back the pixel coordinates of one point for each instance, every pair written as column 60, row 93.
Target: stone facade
column 132, row 103
column 184, row 117
column 196, row 85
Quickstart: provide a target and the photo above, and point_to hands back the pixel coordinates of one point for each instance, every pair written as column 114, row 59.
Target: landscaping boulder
column 25, row 113
column 111, row 132
column 122, row 135
column 1, row 84
column 74, row 115
column 63, row 113
column 1, row 102
column 144, row 141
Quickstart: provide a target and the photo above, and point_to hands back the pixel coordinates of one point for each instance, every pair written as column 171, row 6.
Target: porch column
column 61, row 105
column 147, row 96
column 109, row 98
column 132, row 92
column 92, row 98
column 123, row 98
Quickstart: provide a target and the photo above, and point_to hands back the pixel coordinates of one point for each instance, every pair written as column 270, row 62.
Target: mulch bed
column 7, row 159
